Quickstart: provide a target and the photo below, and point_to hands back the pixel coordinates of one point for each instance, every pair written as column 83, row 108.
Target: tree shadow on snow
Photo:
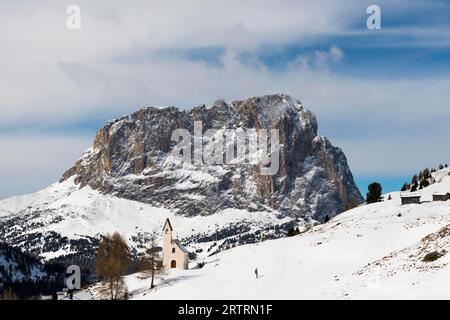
column 165, row 283
column 212, row 261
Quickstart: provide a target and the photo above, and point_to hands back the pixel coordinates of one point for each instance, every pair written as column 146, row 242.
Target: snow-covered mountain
column 382, row 251
column 131, row 158
column 65, row 221
column 129, row 182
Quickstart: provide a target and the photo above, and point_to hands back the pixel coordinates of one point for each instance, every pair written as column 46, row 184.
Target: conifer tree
column 426, row 174
column 374, row 194
column 414, row 183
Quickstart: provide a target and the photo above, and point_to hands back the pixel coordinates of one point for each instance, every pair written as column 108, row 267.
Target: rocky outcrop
column 131, row 158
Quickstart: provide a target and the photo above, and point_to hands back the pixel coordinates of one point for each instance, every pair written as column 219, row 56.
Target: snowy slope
column 63, row 218
column 373, row 251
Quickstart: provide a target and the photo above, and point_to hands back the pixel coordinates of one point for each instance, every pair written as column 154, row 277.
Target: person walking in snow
column 256, row 273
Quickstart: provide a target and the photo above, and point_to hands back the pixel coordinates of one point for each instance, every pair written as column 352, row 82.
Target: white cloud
column 50, row 75
column 318, row 60
column 336, row 53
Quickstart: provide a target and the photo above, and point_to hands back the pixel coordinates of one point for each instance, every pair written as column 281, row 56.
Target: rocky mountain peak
column 131, row 158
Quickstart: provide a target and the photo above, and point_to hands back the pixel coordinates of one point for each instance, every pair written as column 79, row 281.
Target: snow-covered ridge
column 57, row 221
column 441, row 184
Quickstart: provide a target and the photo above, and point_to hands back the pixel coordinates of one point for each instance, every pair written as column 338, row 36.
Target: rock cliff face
column 132, row 158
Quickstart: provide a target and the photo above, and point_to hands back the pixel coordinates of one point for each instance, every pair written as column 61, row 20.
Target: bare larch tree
column 111, row 264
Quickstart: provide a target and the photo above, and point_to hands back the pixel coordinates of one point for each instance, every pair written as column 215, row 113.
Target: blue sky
column 381, row 95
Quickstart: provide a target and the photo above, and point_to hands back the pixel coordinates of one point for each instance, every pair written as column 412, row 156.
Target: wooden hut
column 441, row 196
column 410, row 198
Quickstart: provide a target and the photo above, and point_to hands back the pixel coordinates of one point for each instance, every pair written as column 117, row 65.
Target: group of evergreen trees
column 418, row 181
column 18, row 275
column 293, row 232
column 29, row 289
column 421, row 180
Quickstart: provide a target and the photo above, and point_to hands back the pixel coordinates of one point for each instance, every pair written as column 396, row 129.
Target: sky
column 380, row 95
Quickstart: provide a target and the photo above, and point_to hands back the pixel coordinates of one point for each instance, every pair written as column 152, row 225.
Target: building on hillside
column 441, row 196
column 410, row 198
column 175, row 256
